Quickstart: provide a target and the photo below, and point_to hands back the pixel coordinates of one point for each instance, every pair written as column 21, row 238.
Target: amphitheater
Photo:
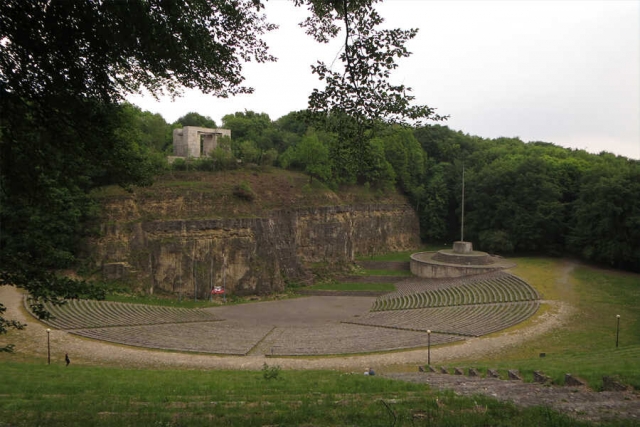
column 453, row 309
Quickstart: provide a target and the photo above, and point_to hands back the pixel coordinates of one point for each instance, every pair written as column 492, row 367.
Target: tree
column 64, row 66
column 106, row 49
column 251, row 126
column 361, row 91
column 247, row 151
column 313, row 155
column 606, row 220
column 195, row 119
column 222, row 155
column 432, row 199
column 518, row 196
column 290, row 129
column 154, row 131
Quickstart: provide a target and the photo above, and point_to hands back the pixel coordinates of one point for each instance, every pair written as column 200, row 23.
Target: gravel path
column 31, row 340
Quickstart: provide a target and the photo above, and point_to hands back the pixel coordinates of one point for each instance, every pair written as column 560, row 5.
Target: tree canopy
column 103, row 50
column 64, row 69
column 196, row 119
column 359, row 96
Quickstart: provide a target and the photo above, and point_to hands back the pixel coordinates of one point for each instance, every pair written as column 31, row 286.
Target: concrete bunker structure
column 460, row 261
column 194, row 141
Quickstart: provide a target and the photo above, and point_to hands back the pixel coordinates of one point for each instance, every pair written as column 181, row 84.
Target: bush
column 179, row 165
column 223, row 158
column 270, row 372
column 244, row 191
column 269, row 157
column 496, row 241
column 205, row 164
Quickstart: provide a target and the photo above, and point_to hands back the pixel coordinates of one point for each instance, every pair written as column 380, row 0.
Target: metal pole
column 617, row 329
column 462, row 220
column 224, row 278
column 429, row 347
column 48, row 347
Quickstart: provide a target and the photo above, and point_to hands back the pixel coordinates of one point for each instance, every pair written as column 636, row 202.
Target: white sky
column 566, row 72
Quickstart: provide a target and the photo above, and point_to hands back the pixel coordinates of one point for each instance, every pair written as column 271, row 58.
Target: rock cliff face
column 246, row 255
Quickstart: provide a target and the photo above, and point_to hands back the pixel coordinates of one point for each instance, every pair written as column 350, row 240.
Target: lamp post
column 617, row 329
column 429, row 347
column 48, row 347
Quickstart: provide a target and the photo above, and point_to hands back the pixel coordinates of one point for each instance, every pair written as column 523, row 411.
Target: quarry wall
column 255, row 255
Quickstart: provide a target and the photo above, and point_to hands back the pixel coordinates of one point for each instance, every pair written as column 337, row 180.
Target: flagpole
column 462, row 220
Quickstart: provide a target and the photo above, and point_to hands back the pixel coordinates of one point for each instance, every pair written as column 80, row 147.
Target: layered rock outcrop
column 256, row 255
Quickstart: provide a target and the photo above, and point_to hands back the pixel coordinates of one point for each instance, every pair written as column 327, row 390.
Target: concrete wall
column 436, row 270
column 186, row 141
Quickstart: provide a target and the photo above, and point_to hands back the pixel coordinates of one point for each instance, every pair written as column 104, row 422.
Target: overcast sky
column 566, row 72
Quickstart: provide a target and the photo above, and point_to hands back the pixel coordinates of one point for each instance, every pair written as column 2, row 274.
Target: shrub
column 223, row 158
column 270, row 372
column 269, row 157
column 244, row 191
column 179, row 165
column 205, row 164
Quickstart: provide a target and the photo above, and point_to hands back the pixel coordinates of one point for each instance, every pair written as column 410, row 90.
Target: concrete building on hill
column 194, row 141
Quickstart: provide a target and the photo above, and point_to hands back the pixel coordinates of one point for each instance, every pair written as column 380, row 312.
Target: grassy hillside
column 586, row 344
column 238, row 193
column 80, row 396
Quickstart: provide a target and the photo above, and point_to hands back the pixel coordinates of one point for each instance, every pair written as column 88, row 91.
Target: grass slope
column 196, row 195
column 586, row 344
column 32, row 395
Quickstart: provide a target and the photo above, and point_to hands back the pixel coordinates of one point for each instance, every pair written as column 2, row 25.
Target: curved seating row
column 470, row 320
column 83, row 314
column 492, row 288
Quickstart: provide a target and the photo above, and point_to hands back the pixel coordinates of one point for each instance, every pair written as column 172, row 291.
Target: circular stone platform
column 460, row 261
column 449, row 256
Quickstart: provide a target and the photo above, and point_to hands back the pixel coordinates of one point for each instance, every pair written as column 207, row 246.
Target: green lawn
column 39, row 395
column 585, row 345
column 333, row 286
column 386, row 273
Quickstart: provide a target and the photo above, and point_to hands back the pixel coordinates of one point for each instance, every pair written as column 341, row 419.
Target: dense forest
column 520, row 197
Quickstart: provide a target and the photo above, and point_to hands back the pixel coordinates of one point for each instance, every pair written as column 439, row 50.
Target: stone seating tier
column 472, row 258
